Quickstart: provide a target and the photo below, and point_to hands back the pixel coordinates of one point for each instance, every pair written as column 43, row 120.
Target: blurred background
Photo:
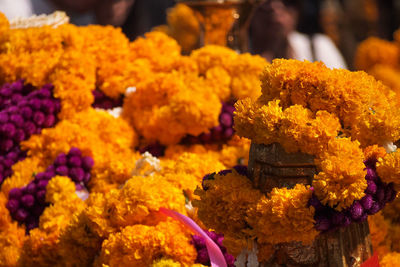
column 307, row 29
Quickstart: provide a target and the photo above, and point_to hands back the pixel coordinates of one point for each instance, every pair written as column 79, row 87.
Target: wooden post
column 270, row 166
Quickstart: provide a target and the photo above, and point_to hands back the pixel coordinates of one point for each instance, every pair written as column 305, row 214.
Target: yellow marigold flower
column 158, row 48
column 224, row 205
column 388, row 168
column 111, row 49
column 140, row 245
column 74, row 80
column 390, row 260
column 379, row 227
column 140, row 199
column 212, row 56
column 389, row 76
column 365, row 108
column 219, row 79
column 283, row 216
column 187, row 171
column 41, row 247
column 165, row 263
column 375, row 51
column 245, row 72
column 78, row 243
column 183, row 26
column 12, row 236
column 374, row 151
column 106, row 139
column 235, row 152
column 341, row 179
column 4, row 24
column 59, row 188
column 245, row 114
column 171, row 106
column 23, row 173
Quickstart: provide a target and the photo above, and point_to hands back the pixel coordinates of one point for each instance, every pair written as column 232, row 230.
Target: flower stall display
column 82, row 107
column 74, row 187
column 343, row 120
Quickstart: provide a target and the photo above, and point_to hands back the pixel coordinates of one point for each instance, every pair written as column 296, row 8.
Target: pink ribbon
column 371, row 262
column 216, row 257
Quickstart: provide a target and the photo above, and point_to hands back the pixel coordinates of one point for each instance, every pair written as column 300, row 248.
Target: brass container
column 223, row 22
column 270, row 166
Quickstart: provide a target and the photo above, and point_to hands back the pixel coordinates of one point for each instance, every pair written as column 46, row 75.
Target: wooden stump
column 270, row 166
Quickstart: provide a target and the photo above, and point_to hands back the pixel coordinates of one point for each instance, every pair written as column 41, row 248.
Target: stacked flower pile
column 74, row 188
column 344, row 120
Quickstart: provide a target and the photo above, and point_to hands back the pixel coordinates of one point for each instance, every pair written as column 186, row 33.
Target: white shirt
column 324, row 49
column 26, row 8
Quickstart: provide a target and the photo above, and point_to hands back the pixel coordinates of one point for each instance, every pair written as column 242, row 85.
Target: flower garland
column 306, row 107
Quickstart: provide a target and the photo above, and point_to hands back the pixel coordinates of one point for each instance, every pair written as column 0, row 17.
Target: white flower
column 389, row 147
column 147, row 165
column 130, row 90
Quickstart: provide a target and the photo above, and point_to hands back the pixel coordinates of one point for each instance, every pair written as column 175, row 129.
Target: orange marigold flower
column 140, row 245
column 375, row 51
column 283, row 216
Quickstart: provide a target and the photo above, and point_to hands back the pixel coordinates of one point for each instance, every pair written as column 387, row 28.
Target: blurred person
column 273, row 33
column 144, row 15
column 81, row 12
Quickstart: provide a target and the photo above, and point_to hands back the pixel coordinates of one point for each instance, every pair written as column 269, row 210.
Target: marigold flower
column 287, row 208
column 375, row 51
column 140, row 245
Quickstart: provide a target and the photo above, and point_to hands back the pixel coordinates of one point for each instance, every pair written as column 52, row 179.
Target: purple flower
column 87, row 163
column 225, row 119
column 38, row 118
column 322, row 223
column 3, row 117
column 35, row 103
column 41, row 196
column 380, row 194
column 62, row 170
column 49, row 121
column 12, row 205
column 371, row 188
column 367, row 202
column 74, row 151
column 356, row 210
column 75, row 161
column 228, row 133
column 224, row 172
column 19, row 136
column 77, row 174
column 31, row 188
column 61, row 159
column 15, row 193
column 205, row 178
column 21, row 215
column 241, row 169
column 41, row 184
column 371, row 175
column 17, row 120
column 27, row 200
column 26, row 112
column 6, row 145
column 30, row 128
column 8, row 129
